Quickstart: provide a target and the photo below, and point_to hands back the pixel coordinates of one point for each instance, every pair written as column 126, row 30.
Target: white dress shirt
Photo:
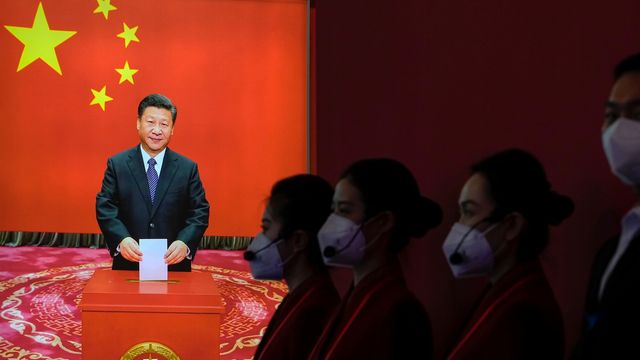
column 159, row 159
column 630, row 227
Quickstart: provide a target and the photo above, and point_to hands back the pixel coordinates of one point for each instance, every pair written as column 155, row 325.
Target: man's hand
column 130, row 250
column 176, row 252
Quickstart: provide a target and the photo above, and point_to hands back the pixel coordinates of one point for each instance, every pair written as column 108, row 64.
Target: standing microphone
column 331, row 251
column 457, row 258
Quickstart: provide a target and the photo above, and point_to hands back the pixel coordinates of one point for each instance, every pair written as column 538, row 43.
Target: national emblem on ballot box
column 150, row 351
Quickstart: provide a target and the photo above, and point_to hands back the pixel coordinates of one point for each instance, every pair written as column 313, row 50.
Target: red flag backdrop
column 236, row 70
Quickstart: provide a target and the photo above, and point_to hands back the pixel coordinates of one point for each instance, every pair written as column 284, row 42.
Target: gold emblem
column 150, row 351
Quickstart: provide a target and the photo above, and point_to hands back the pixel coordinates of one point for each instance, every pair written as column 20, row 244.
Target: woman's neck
column 501, row 269
column 299, row 272
column 370, row 265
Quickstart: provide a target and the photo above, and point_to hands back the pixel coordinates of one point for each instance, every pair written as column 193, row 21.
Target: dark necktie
column 152, row 177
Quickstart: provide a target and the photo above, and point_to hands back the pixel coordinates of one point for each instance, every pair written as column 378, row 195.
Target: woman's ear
column 514, row 226
column 383, row 222
column 299, row 240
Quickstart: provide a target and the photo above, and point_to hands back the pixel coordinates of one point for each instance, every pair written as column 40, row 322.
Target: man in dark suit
column 612, row 312
column 151, row 192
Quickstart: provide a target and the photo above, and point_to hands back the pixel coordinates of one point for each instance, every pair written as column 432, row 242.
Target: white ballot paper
column 152, row 266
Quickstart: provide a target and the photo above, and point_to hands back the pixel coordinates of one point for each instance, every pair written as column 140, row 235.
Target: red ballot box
column 123, row 318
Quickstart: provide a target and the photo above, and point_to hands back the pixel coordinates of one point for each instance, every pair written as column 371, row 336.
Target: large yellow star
column 126, row 73
column 39, row 41
column 100, row 97
column 104, row 6
column 129, row 34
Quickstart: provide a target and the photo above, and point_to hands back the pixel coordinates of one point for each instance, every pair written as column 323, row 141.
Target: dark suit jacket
column 611, row 323
column 123, row 206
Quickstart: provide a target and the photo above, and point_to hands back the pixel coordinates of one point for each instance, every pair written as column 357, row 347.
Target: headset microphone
column 330, row 251
column 250, row 255
column 457, row 258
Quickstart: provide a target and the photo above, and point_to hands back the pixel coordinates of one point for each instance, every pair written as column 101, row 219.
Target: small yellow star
column 104, row 6
column 126, row 73
column 100, row 97
column 40, row 41
column 129, row 34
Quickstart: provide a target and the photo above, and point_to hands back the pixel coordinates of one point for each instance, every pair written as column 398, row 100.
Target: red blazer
column 378, row 319
column 299, row 320
column 517, row 318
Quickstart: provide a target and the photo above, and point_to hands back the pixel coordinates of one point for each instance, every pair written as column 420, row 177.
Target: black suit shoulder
column 126, row 154
column 181, row 157
column 135, row 151
column 598, row 267
column 610, row 320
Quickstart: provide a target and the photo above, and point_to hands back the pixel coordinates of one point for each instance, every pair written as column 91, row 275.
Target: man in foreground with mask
column 612, row 310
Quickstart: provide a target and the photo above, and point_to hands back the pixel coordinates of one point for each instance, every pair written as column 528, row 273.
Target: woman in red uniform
column 506, row 208
column 377, row 209
column 288, row 247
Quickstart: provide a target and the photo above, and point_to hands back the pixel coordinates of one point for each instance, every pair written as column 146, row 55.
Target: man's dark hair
column 159, row 101
column 627, row 65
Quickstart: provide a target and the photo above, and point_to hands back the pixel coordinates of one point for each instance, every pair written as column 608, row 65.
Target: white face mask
column 473, row 250
column 342, row 240
column 621, row 142
column 265, row 261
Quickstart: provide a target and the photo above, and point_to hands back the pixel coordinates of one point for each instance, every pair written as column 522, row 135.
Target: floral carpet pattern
column 40, row 289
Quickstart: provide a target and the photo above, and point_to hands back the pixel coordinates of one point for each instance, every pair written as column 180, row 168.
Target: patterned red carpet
column 40, row 289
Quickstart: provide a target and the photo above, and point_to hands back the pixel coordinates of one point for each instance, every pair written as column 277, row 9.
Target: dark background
column 441, row 84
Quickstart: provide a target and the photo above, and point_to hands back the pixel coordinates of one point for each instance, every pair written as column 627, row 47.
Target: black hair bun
column 558, row 208
column 426, row 215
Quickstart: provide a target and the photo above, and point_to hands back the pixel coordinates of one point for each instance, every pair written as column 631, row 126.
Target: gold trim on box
column 150, row 347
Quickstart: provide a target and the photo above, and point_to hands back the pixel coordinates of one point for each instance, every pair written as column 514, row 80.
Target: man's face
column 624, row 100
column 155, row 128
